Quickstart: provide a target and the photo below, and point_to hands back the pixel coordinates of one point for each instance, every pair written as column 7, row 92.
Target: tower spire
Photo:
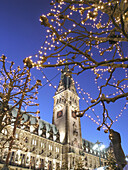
column 66, row 66
column 66, row 81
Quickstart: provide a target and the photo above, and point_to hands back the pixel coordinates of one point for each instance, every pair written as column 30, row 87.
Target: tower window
column 74, row 114
column 59, row 114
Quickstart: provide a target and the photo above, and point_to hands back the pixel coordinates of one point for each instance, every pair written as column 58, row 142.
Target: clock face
column 59, row 114
column 74, row 114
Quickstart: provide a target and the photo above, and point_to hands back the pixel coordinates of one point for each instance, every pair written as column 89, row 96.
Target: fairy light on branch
column 90, row 28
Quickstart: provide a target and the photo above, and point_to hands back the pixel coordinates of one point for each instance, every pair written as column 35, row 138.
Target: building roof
column 32, row 120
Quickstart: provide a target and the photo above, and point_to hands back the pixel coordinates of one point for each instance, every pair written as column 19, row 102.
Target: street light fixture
column 99, row 147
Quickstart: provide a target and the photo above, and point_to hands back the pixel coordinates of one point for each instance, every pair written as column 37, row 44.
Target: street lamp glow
column 126, row 158
column 95, row 146
column 102, row 147
column 98, row 146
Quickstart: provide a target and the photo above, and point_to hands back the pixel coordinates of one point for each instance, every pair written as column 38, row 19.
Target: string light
column 87, row 32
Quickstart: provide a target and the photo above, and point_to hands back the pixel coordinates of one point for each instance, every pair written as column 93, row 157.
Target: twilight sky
column 22, row 35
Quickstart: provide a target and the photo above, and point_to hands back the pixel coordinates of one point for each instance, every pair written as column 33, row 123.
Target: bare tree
column 17, row 91
column 93, row 35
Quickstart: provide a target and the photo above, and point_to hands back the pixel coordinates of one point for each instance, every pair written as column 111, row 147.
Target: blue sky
column 22, row 35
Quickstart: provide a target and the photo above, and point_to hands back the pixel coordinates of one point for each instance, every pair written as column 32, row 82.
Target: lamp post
column 99, row 147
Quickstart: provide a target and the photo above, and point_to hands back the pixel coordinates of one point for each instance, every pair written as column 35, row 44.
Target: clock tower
column 66, row 103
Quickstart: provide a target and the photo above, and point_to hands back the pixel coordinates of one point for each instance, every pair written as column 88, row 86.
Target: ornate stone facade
column 41, row 145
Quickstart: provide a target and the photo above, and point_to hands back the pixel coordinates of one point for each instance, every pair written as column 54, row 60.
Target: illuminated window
column 50, row 147
column 57, row 149
column 42, row 144
column 16, row 135
column 33, row 142
column 4, row 131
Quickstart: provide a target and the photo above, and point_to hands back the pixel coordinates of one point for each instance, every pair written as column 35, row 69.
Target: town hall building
column 44, row 146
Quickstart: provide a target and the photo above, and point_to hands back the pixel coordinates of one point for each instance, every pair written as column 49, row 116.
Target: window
column 59, row 114
column 50, row 147
column 26, row 139
column 74, row 114
column 57, row 149
column 73, row 90
column 86, row 158
column 86, row 164
column 5, row 155
column 4, row 131
column 16, row 135
column 49, row 165
column 57, row 165
column 60, row 89
column 42, row 164
column 42, row 145
column 16, row 158
column 33, row 142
